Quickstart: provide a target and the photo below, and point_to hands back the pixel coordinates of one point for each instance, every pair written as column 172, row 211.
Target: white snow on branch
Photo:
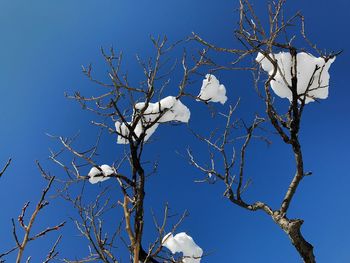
column 173, row 110
column 168, row 109
column 99, row 175
column 183, row 243
column 312, row 75
column 212, row 90
column 123, row 131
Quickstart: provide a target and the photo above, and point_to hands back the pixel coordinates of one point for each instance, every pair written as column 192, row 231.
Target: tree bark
column 292, row 228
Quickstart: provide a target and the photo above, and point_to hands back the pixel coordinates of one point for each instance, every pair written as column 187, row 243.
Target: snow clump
column 312, row 75
column 168, row 109
column 99, row 175
column 183, row 243
column 212, row 90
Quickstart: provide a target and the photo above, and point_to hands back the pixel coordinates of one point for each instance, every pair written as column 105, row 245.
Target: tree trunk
column 292, row 228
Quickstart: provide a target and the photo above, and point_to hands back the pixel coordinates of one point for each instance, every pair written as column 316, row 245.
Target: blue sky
column 43, row 45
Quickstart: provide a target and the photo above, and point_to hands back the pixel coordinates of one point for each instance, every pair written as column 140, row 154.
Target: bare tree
column 255, row 38
column 136, row 110
column 128, row 107
column 27, row 228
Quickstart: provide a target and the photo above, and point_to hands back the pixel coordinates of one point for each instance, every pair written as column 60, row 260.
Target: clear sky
column 43, row 45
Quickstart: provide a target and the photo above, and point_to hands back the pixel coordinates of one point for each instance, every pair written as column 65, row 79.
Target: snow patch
column 212, row 90
column 123, row 131
column 312, row 75
column 99, row 175
column 173, row 110
column 168, row 109
column 183, row 243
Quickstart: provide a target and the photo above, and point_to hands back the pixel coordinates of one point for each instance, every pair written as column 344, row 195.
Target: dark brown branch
column 5, row 167
column 53, row 253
